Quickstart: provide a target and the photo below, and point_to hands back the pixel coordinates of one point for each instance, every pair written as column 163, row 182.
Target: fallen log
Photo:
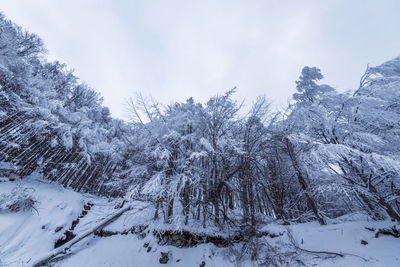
column 43, row 260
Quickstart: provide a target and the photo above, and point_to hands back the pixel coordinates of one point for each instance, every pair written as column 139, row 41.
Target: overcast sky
column 176, row 49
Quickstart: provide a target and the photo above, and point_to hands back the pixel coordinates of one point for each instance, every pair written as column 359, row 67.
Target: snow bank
column 24, row 235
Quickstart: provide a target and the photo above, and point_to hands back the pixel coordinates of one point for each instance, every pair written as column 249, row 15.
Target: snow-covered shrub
column 20, row 199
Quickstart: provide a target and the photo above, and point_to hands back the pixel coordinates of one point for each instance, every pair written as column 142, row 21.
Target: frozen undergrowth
column 26, row 235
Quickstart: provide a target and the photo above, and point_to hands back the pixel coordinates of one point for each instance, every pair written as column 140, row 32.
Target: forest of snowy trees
column 328, row 154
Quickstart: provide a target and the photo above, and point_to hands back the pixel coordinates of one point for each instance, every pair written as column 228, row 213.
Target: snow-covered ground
column 26, row 236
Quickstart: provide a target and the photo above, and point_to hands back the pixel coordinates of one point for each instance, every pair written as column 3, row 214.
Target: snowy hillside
column 26, row 236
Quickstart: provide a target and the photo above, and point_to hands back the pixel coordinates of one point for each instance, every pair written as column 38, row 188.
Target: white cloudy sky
column 176, row 49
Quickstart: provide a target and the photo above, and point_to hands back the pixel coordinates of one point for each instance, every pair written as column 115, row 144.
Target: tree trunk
column 303, row 183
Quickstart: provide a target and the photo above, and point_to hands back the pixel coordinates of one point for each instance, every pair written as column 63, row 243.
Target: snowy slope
column 25, row 236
